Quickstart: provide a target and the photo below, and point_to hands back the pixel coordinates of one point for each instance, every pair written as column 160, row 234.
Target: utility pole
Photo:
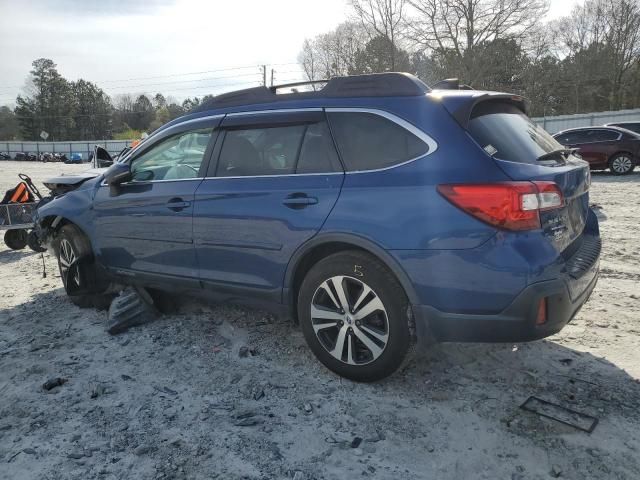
column 264, row 75
column 272, row 72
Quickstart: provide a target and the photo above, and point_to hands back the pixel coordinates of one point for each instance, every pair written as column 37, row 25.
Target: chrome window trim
column 429, row 141
column 144, row 182
column 275, row 111
column 277, row 176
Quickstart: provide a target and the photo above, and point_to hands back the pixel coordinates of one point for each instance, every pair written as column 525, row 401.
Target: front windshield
column 505, row 132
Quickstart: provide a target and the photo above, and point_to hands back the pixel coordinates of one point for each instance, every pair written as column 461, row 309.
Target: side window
column 605, row 136
column 571, row 138
column 368, row 141
column 318, row 154
column 260, row 151
column 174, row 158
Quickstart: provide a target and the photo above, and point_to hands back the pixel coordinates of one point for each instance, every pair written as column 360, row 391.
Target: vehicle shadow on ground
column 11, row 256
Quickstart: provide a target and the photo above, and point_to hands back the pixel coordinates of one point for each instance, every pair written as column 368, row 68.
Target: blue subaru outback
column 375, row 209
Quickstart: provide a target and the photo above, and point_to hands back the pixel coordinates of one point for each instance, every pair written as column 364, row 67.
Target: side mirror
column 117, row 174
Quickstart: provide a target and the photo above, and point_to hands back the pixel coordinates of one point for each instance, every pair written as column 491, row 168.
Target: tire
column 15, row 239
column 34, row 242
column 621, row 164
column 374, row 343
column 71, row 244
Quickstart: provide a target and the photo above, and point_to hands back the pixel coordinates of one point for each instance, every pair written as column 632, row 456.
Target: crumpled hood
column 65, row 183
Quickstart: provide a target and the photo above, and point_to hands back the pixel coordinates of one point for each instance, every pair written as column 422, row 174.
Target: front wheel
column 621, row 164
column 353, row 313
column 71, row 246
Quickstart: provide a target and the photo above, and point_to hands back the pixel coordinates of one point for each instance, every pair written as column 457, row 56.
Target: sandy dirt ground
column 175, row 399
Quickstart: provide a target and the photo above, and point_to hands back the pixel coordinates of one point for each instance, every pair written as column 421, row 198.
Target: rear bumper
column 516, row 323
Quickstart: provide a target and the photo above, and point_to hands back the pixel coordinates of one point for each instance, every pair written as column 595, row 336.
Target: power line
column 185, row 81
column 191, row 88
column 4, row 87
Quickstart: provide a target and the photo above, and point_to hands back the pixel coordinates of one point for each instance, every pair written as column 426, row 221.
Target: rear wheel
column 71, row 245
column 621, row 164
column 353, row 313
column 15, row 239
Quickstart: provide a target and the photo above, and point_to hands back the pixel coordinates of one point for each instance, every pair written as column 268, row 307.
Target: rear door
column 516, row 144
column 275, row 181
column 584, row 142
column 146, row 226
column 599, row 145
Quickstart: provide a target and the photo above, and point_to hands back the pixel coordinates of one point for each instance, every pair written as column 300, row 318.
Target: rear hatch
column 526, row 152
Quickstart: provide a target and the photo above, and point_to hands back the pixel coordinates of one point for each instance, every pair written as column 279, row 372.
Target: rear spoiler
column 460, row 104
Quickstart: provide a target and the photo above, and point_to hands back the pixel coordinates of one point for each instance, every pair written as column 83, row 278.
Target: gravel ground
column 177, row 398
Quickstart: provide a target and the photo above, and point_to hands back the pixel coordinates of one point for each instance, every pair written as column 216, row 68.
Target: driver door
column 146, row 226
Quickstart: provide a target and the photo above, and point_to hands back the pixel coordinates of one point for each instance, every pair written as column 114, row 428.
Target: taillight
column 508, row 205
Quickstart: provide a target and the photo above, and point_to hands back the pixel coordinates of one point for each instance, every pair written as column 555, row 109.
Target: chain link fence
column 85, row 149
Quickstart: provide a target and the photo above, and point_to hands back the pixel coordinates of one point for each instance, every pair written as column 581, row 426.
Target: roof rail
column 391, row 84
column 450, row 84
column 274, row 88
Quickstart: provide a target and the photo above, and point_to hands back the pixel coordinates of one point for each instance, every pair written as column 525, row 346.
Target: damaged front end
column 59, row 207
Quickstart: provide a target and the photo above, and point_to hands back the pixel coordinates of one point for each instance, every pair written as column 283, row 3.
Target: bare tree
column 332, row 54
column 383, row 18
column 623, row 40
column 459, row 27
column 603, row 39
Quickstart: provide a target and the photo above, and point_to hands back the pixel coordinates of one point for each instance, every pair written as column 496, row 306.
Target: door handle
column 299, row 200
column 177, row 204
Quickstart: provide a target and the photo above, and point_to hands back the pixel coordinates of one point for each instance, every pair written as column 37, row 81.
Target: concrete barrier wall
column 562, row 122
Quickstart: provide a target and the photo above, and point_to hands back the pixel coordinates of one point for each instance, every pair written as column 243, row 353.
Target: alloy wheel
column 66, row 258
column 349, row 320
column 621, row 164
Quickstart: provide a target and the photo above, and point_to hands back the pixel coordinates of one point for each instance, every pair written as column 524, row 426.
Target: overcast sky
column 119, row 44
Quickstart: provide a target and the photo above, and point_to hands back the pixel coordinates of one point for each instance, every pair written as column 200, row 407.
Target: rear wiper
column 555, row 153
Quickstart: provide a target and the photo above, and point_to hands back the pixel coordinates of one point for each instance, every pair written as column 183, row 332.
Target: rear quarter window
column 368, row 141
column 605, row 136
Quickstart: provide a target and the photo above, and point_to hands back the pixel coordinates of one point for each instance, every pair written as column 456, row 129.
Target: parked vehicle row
column 45, row 157
column 614, row 146
column 374, row 209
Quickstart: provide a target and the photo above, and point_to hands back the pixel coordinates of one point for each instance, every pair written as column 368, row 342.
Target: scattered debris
column 247, row 419
column 53, row 383
column 166, row 389
column 142, row 450
column 258, row 394
column 97, row 390
column 248, row 422
column 578, row 420
column 133, row 306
